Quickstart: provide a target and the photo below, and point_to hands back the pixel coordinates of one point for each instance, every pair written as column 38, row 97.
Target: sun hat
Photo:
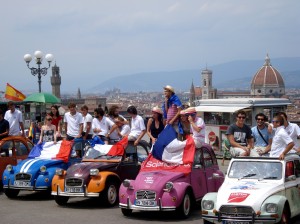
column 170, row 88
column 157, row 110
column 182, row 112
column 190, row 110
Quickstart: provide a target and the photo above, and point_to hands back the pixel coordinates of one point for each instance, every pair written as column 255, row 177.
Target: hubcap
column 186, row 204
column 112, row 194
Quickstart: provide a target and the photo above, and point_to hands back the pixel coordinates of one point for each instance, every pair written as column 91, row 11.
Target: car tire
column 126, row 212
column 61, row 200
column 11, row 193
column 184, row 210
column 110, row 193
column 285, row 217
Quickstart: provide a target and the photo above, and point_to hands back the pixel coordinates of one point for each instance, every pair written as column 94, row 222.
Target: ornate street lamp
column 38, row 56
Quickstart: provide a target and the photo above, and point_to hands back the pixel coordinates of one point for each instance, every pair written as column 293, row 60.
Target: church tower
column 55, row 81
column 78, row 94
column 192, row 95
column 206, row 83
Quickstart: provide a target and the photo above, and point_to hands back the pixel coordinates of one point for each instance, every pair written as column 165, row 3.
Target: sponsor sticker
column 237, row 197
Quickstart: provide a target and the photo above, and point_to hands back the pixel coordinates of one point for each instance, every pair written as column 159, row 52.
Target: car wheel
column 184, row 210
column 110, row 193
column 126, row 212
column 11, row 193
column 61, row 200
column 285, row 217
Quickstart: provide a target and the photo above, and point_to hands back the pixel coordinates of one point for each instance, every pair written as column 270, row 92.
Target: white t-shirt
column 199, row 136
column 125, row 130
column 73, row 123
column 104, row 125
column 137, row 126
column 280, row 140
column 14, row 120
column 293, row 131
column 85, row 119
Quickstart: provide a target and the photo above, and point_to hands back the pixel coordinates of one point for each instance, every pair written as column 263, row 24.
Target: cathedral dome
column 267, row 81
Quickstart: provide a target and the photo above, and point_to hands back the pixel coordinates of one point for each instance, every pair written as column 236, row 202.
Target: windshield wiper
column 270, row 177
column 248, row 175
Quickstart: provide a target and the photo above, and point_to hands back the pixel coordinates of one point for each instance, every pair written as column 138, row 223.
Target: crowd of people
column 275, row 139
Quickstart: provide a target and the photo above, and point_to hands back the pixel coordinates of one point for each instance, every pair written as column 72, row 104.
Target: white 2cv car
column 256, row 190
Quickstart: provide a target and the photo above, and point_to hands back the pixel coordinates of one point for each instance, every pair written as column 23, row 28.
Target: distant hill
column 233, row 75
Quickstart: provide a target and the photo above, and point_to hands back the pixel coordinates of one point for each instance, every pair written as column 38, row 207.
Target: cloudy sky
column 94, row 40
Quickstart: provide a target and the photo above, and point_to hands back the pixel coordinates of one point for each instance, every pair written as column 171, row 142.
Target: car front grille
column 74, row 182
column 237, row 211
column 23, row 176
column 145, row 195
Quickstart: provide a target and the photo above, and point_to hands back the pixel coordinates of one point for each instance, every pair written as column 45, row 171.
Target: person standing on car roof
column 171, row 108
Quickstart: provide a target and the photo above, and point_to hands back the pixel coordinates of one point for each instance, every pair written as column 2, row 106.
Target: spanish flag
column 13, row 94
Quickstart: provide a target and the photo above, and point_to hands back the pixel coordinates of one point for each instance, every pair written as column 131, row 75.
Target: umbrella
column 42, row 98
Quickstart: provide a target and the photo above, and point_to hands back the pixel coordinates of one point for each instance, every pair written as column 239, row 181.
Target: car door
column 198, row 176
column 130, row 165
column 292, row 185
column 7, row 155
column 209, row 165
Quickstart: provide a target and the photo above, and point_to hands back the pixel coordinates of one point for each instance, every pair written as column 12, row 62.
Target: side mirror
column 216, row 176
column 3, row 154
column 198, row 166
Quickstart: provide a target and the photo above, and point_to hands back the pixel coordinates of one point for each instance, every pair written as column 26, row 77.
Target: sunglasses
column 241, row 117
column 49, row 119
column 260, row 119
column 275, row 121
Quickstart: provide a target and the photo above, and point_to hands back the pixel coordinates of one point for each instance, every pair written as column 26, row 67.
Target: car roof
column 290, row 156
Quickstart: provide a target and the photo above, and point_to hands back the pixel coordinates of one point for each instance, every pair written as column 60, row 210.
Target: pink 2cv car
column 168, row 186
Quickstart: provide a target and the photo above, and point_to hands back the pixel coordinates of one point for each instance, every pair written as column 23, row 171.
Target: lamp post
column 38, row 56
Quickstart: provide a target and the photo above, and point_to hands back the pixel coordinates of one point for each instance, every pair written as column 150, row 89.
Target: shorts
column 258, row 151
column 235, row 151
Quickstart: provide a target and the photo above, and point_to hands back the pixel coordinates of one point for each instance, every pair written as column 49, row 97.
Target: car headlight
column 94, row 172
column 271, row 208
column 207, row 204
column 59, row 172
column 9, row 167
column 43, row 169
column 169, row 186
column 126, row 183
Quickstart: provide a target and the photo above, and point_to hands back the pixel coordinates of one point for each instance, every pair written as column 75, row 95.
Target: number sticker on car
column 149, row 203
column 22, row 183
column 74, row 189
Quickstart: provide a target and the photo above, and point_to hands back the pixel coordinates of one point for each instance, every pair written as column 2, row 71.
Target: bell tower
column 55, row 81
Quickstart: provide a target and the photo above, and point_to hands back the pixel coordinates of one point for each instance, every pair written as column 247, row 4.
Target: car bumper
column 31, row 188
column 159, row 207
column 250, row 219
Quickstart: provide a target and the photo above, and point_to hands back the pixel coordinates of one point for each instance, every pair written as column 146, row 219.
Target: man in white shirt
column 138, row 128
column 282, row 143
column 87, row 123
column 197, row 126
column 113, row 113
column 15, row 120
column 102, row 124
column 73, row 122
column 292, row 129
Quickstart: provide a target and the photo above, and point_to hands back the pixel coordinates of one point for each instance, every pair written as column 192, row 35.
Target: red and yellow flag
column 13, row 94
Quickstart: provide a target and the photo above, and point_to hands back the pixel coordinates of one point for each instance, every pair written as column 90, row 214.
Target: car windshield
column 92, row 153
column 261, row 170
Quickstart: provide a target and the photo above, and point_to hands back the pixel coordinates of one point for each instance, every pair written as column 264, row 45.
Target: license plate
column 74, row 189
column 145, row 203
column 234, row 222
column 19, row 183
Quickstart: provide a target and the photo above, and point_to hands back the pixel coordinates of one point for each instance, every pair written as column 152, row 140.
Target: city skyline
column 100, row 40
